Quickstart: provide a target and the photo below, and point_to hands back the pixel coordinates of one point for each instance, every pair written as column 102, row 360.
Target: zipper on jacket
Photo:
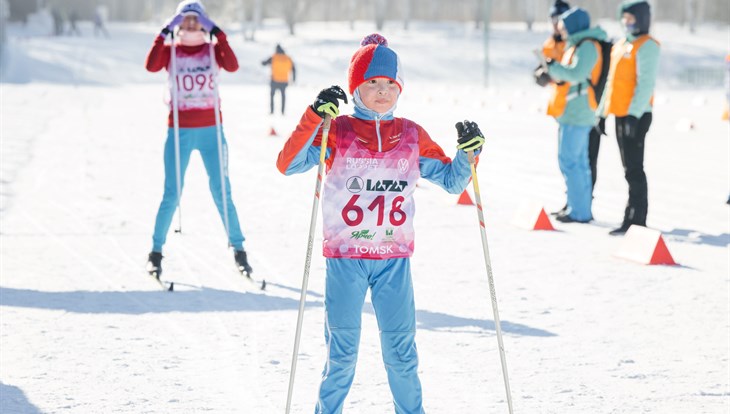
column 377, row 131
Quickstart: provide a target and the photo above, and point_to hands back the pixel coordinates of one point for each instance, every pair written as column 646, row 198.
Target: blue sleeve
column 647, row 63
column 307, row 157
column 579, row 70
column 451, row 176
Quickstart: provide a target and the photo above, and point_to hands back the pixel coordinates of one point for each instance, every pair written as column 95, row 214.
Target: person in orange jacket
column 281, row 67
column 629, row 96
column 553, row 49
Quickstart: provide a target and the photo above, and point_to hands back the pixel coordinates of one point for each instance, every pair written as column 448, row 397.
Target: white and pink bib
column 368, row 201
column 194, row 80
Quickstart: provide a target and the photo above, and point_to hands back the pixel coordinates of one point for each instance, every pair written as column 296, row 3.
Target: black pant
column 632, row 158
column 594, row 143
column 278, row 86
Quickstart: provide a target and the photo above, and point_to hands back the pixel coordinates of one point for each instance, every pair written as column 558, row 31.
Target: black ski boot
column 154, row 264
column 242, row 262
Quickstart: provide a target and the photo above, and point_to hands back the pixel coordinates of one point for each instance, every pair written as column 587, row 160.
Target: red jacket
column 299, row 154
column 159, row 58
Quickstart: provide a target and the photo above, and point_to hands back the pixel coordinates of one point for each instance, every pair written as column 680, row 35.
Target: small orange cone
column 532, row 216
column 465, row 199
column 645, row 246
column 543, row 221
column 272, row 133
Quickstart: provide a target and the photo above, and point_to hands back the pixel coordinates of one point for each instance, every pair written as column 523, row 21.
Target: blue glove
column 171, row 23
column 207, row 24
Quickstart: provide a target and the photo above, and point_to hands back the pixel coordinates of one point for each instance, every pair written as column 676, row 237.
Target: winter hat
column 191, row 7
column 576, row 20
column 641, row 11
column 374, row 59
column 559, row 8
column 279, row 49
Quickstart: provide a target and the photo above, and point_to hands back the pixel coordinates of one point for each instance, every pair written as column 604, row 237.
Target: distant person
column 552, row 50
column 73, row 29
column 57, row 22
column 281, row 67
column 629, row 97
column 99, row 18
column 197, row 121
column 573, row 104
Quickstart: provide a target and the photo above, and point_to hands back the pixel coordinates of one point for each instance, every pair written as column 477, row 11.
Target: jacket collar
column 363, row 112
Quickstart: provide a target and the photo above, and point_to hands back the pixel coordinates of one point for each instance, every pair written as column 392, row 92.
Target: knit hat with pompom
column 374, row 59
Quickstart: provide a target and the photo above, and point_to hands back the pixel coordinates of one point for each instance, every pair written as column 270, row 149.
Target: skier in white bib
column 373, row 162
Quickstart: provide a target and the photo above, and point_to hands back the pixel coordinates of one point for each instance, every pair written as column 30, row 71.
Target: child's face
column 190, row 24
column 379, row 94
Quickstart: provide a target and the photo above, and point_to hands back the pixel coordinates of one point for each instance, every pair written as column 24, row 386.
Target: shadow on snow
column 13, row 400
column 140, row 302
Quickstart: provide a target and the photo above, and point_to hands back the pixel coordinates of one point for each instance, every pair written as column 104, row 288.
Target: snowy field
column 84, row 330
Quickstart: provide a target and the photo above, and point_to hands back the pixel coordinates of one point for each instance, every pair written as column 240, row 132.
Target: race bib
column 194, row 81
column 368, row 204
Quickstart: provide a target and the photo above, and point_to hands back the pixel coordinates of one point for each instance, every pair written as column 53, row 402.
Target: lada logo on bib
column 402, row 165
column 355, row 184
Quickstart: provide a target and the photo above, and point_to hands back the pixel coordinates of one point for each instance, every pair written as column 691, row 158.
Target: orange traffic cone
column 645, row 246
column 532, row 216
column 465, row 199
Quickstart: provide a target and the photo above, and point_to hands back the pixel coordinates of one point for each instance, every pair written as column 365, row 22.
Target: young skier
column 197, row 121
column 373, row 162
column 629, row 97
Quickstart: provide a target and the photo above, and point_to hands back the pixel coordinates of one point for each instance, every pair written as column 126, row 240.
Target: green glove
column 327, row 101
column 470, row 138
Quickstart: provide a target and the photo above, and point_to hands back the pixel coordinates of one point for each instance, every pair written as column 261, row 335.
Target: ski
column 166, row 286
column 247, row 275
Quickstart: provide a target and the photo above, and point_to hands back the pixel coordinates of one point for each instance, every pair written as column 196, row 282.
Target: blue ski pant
column 576, row 170
column 392, row 296
column 204, row 140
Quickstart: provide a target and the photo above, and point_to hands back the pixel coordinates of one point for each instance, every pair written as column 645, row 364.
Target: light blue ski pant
column 392, row 296
column 576, row 169
column 204, row 140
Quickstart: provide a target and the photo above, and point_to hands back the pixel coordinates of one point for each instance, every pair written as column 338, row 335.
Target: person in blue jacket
column 374, row 160
column 573, row 104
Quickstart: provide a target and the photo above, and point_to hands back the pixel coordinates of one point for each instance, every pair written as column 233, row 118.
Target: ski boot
column 242, row 262
column 154, row 264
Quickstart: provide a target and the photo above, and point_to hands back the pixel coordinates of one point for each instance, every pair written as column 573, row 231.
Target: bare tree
column 292, row 10
column 380, row 11
column 250, row 13
column 351, row 13
column 407, row 13
column 530, row 6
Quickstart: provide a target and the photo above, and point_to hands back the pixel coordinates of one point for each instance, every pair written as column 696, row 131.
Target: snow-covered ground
column 83, row 330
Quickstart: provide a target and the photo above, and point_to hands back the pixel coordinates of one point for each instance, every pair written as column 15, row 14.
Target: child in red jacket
column 197, row 129
column 373, row 163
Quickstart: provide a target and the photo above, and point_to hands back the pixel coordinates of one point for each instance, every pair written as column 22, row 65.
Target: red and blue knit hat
column 374, row 60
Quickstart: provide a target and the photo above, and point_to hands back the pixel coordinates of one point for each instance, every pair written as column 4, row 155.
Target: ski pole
column 308, row 260
column 221, row 155
column 490, row 277
column 176, row 130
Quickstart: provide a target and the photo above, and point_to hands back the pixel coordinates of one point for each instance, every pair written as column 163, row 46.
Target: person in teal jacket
column 573, row 105
column 628, row 96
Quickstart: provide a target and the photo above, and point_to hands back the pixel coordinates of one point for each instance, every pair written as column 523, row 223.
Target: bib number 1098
column 189, row 82
column 396, row 216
